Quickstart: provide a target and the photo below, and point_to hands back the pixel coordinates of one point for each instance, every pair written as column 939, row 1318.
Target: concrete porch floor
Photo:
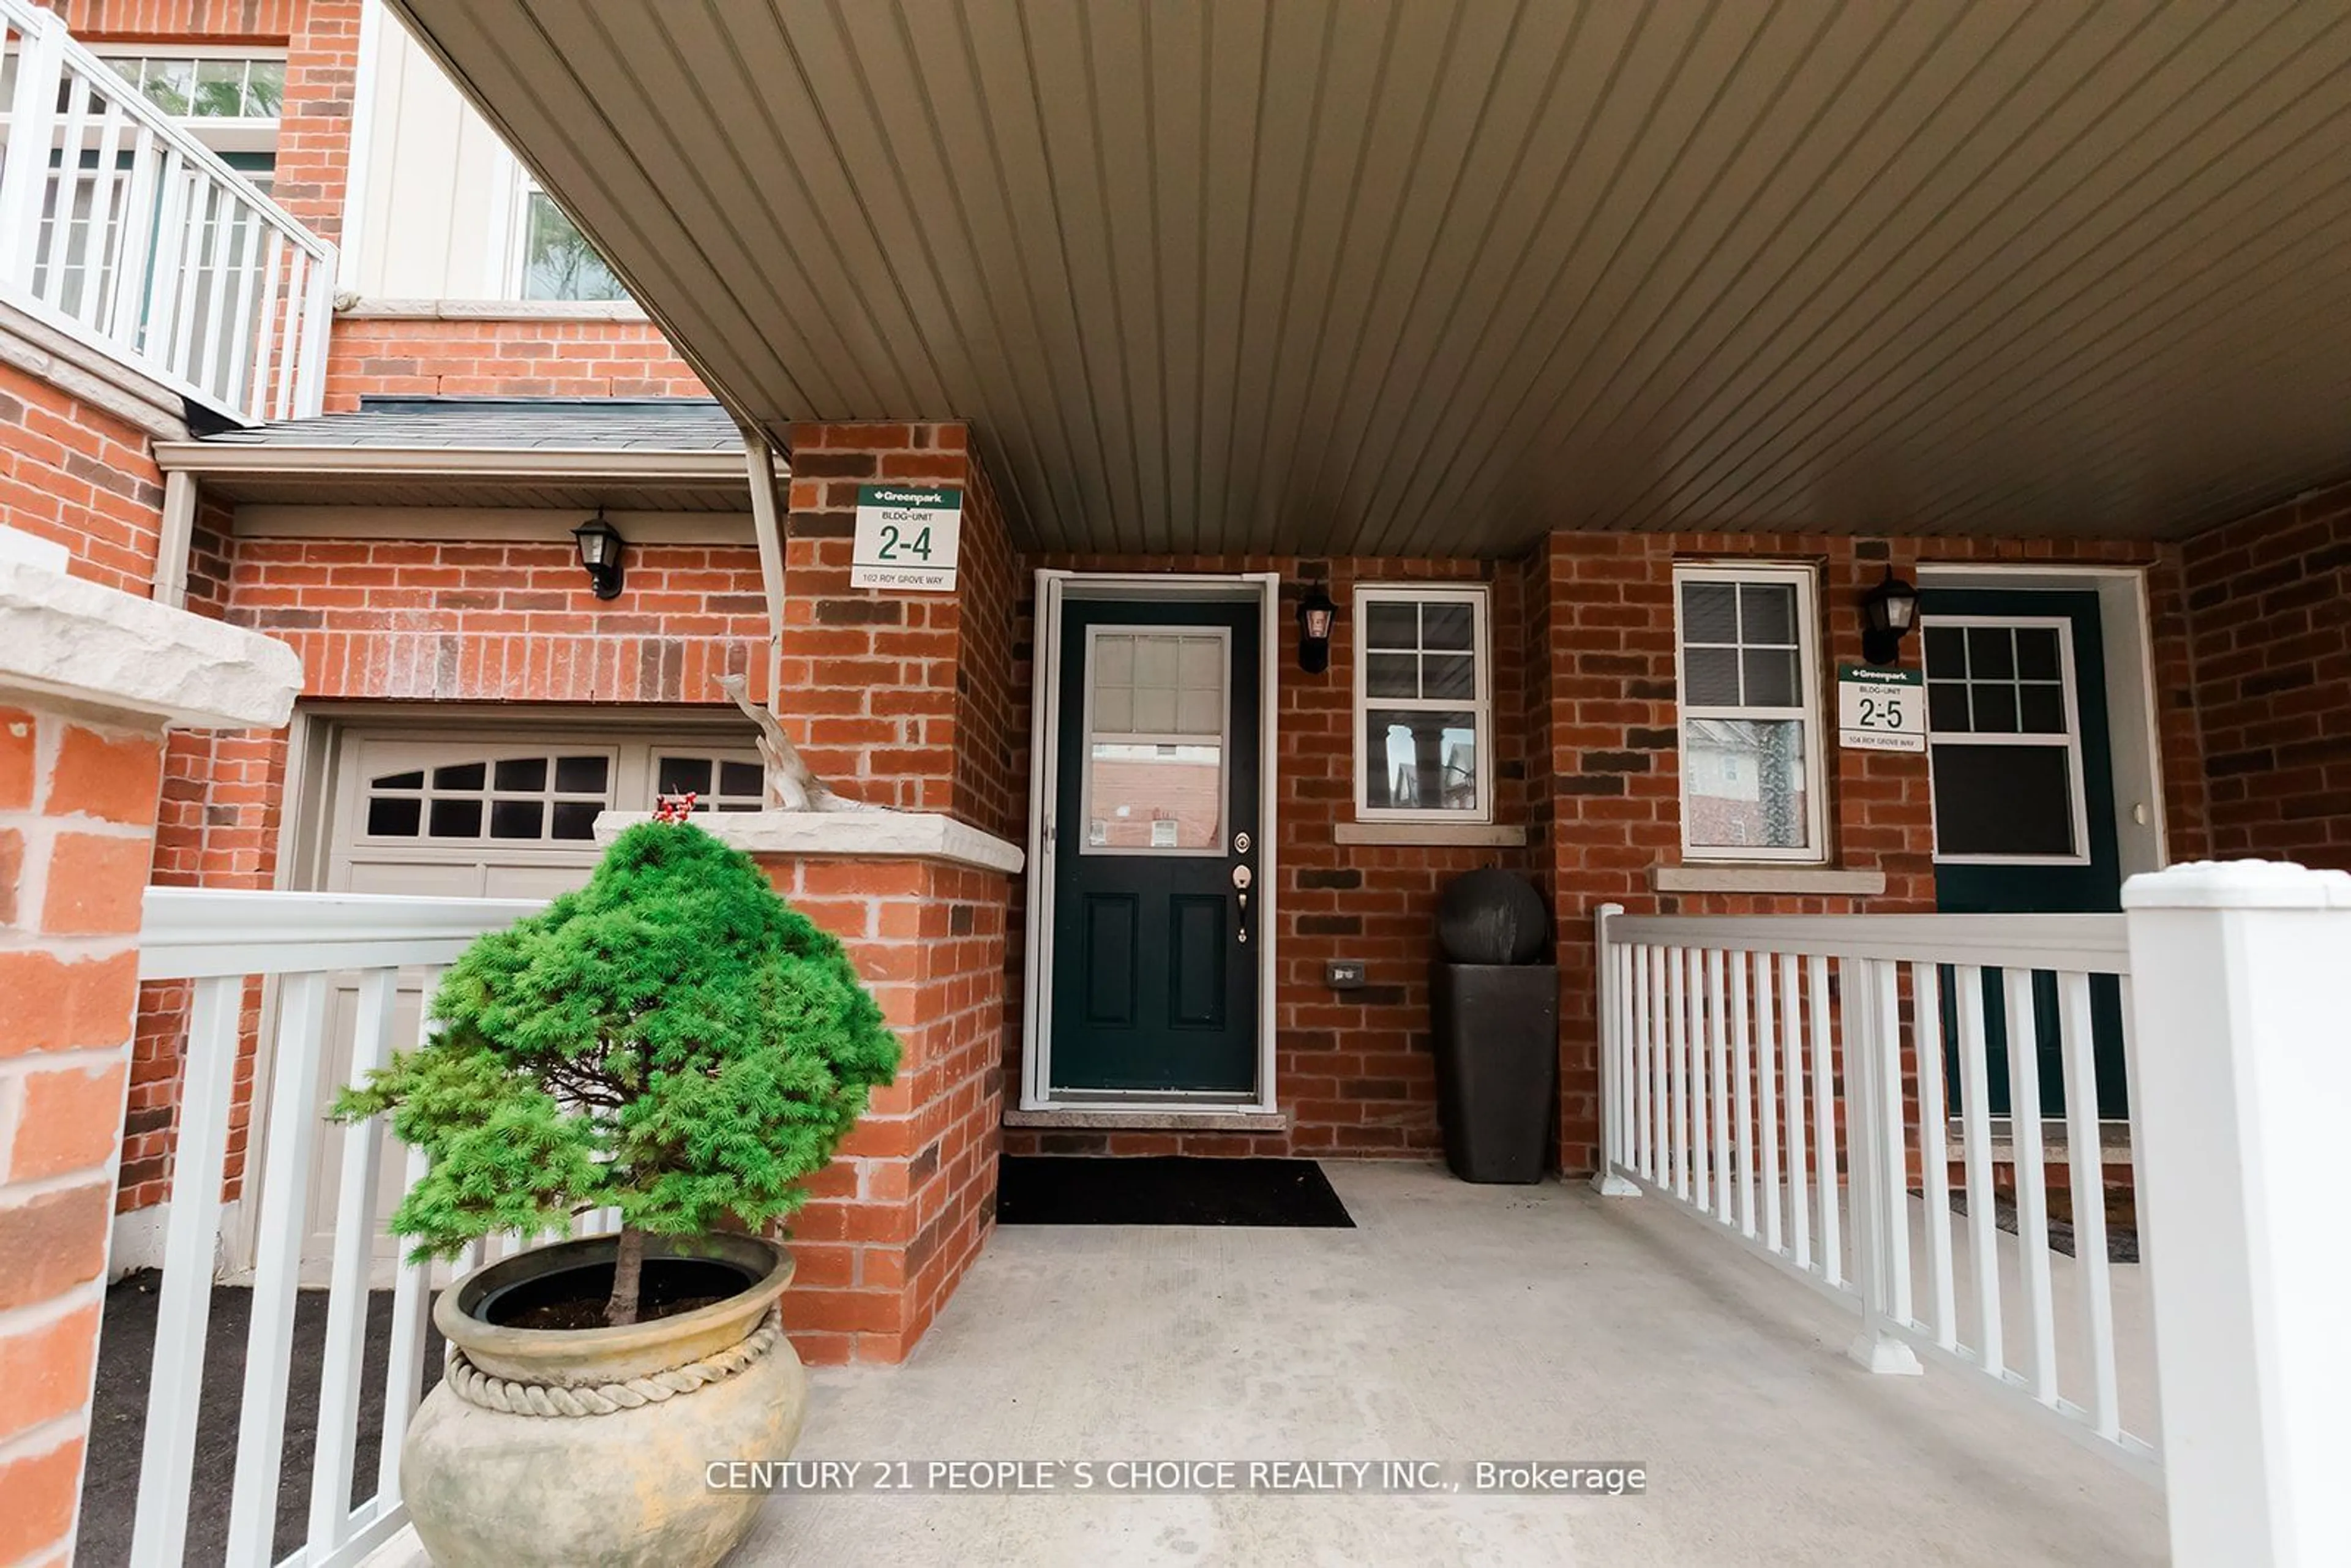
column 1457, row 1322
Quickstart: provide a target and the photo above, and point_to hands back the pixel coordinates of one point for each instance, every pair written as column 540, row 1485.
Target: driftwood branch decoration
column 790, row 786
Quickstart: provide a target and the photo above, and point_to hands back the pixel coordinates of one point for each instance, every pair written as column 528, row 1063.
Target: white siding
column 439, row 188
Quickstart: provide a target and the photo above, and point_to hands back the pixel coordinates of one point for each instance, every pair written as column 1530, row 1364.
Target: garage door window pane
column 682, row 775
column 576, row 819
column 456, row 819
column 461, row 776
column 581, row 775
column 716, row 783
column 523, row 773
column 390, row 817
column 516, row 819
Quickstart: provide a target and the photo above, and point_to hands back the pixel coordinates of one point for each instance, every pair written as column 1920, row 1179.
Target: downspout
column 768, row 528
column 171, row 580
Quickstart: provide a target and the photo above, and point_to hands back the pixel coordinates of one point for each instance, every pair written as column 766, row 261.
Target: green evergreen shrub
column 672, row 1040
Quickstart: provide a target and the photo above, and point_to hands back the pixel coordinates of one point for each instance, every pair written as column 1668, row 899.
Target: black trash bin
column 1497, row 1024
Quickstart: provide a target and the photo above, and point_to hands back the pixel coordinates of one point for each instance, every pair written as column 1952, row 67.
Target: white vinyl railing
column 307, row 944
column 121, row 229
column 1784, row 1078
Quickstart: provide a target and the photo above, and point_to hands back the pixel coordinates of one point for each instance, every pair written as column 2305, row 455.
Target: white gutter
column 225, row 459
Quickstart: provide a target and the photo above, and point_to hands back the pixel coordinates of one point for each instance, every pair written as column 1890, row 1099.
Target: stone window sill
column 364, row 308
column 1814, row 879
column 1113, row 1119
column 1493, row 835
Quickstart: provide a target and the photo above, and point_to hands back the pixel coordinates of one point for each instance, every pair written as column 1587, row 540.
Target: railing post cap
column 2238, row 885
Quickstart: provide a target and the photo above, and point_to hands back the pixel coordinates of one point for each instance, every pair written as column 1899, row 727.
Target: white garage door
column 506, row 812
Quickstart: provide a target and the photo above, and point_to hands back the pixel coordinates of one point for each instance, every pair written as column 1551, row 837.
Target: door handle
column 1242, row 877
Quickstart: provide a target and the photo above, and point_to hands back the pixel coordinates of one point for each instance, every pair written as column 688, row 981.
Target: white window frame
column 1806, row 580
column 517, row 242
column 222, row 133
column 1481, row 651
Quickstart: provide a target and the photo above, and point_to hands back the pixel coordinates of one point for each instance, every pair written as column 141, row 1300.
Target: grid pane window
column 1750, row 720
column 531, row 798
column 1422, row 702
column 1995, row 680
column 1999, row 719
column 207, row 87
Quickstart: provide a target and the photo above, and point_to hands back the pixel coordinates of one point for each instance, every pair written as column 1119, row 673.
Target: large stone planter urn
column 589, row 1447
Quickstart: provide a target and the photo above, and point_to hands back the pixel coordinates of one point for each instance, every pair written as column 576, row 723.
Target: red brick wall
column 491, row 621
column 413, row 357
column 216, row 827
column 895, row 1222
column 314, row 125
column 213, row 21
column 1613, row 774
column 77, row 475
column 901, row 699
column 990, row 775
column 2270, row 602
column 1356, row 1070
column 77, row 810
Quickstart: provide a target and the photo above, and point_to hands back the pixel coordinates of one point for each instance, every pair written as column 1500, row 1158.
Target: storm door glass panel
column 1156, row 705
column 2004, row 739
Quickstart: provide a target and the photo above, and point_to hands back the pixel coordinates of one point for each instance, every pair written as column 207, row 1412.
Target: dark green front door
column 2024, row 810
column 1156, row 849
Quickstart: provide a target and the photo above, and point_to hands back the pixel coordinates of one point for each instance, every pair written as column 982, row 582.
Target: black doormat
column 1171, row 1189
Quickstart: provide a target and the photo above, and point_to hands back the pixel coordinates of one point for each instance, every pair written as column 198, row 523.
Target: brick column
column 88, row 678
column 904, row 700
column 896, row 1219
column 899, row 699
column 314, row 131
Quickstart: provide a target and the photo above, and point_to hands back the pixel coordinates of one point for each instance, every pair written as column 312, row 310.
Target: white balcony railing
column 335, row 964
column 1807, row 1085
column 120, row 228
column 1751, row 1063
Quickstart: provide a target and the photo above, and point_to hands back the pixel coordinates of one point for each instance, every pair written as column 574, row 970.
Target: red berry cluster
column 674, row 808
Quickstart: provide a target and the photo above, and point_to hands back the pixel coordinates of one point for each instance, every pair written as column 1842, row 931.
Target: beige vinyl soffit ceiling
column 1431, row 279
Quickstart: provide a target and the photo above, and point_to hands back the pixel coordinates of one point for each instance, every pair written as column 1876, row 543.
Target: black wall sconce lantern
column 1888, row 613
column 600, row 548
column 1316, row 616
